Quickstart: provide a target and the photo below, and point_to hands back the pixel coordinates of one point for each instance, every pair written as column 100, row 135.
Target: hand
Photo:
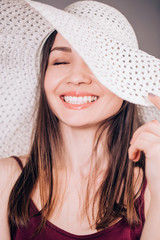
column 147, row 139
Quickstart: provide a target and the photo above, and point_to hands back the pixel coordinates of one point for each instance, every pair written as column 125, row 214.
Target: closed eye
column 60, row 63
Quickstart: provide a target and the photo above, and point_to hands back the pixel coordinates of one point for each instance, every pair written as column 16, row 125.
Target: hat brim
column 125, row 70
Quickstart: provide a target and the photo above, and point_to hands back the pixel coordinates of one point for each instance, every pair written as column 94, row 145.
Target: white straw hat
column 100, row 34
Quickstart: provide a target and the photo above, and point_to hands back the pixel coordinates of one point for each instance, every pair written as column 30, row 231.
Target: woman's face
column 74, row 94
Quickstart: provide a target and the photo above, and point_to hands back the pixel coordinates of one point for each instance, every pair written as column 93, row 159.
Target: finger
column 134, row 154
column 150, row 127
column 146, row 142
column 154, row 99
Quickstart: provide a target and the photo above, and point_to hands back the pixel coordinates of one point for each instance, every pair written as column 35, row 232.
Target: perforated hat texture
column 101, row 35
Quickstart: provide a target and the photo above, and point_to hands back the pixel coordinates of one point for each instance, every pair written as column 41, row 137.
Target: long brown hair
column 43, row 162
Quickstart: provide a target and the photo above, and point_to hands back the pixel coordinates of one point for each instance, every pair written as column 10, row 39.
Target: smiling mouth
column 80, row 99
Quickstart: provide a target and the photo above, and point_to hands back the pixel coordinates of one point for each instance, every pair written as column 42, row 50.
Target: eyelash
column 60, row 63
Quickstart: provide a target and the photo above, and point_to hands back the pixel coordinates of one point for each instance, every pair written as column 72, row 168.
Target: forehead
column 61, row 41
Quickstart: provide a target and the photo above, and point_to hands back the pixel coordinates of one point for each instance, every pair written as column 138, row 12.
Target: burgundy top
column 121, row 230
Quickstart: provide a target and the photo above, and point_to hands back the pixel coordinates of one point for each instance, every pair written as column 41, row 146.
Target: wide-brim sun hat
column 100, row 34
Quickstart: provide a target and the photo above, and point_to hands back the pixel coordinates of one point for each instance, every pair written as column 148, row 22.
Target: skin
column 147, row 139
column 74, row 75
column 78, row 128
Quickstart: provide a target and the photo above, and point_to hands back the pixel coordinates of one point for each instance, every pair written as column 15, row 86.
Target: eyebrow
column 64, row 49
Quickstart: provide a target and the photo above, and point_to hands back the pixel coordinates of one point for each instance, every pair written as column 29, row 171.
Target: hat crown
column 109, row 19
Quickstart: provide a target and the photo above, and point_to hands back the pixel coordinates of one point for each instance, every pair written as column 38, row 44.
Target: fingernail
column 151, row 95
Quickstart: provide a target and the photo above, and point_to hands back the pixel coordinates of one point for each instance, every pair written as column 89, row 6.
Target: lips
column 78, row 100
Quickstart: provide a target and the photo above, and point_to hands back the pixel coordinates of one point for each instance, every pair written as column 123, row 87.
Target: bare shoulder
column 9, row 173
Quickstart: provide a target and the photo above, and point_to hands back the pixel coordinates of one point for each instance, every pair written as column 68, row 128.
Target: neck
column 78, row 145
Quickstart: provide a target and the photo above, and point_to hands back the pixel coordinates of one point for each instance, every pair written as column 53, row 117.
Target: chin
column 80, row 123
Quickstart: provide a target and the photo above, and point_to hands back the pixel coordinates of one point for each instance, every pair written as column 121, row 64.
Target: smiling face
column 74, row 94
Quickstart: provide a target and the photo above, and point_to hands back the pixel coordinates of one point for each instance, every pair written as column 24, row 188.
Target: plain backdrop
column 144, row 16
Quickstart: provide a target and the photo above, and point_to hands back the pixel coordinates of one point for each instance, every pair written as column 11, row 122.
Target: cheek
column 111, row 106
column 51, row 82
column 48, row 83
column 54, row 76
column 117, row 103
column 110, row 103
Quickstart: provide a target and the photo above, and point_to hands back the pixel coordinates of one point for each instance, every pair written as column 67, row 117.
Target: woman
column 84, row 177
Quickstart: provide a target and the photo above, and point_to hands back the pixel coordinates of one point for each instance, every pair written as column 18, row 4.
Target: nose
column 80, row 74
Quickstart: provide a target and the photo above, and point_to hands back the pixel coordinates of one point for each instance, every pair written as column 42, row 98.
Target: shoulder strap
column 18, row 161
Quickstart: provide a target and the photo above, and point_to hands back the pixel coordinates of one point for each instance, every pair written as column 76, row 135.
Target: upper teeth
column 79, row 100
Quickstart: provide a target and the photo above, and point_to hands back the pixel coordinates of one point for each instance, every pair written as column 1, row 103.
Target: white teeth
column 79, row 100
column 89, row 98
column 85, row 99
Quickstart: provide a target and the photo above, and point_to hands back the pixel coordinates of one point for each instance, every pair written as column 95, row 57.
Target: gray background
column 144, row 16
